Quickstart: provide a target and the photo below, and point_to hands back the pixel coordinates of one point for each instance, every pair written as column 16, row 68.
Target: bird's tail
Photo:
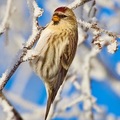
column 54, row 87
column 51, row 97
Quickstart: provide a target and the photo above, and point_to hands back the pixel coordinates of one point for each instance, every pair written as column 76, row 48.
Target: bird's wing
column 65, row 61
column 69, row 52
column 42, row 42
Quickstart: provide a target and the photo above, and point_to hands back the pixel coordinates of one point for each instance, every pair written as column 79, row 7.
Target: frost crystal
column 112, row 47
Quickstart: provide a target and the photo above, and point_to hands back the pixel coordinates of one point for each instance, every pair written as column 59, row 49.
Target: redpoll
column 56, row 49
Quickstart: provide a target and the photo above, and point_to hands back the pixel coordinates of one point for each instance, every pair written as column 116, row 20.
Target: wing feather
column 42, row 42
column 69, row 52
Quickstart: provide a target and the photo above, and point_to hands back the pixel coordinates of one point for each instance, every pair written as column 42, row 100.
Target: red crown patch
column 61, row 9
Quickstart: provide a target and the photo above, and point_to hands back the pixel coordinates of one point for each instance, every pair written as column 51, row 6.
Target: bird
column 55, row 50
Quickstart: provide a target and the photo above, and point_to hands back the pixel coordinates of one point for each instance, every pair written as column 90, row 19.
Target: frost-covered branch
column 98, row 39
column 86, row 88
column 5, row 23
column 11, row 113
column 36, row 30
column 96, row 28
column 78, row 3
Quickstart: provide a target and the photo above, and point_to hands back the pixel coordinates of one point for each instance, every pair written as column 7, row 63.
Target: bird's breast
column 46, row 65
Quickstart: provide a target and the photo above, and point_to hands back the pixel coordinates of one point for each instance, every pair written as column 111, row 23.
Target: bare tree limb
column 87, row 103
column 12, row 114
column 33, row 38
column 96, row 28
column 5, row 23
column 78, row 3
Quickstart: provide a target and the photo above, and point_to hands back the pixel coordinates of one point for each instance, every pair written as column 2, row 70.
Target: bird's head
column 63, row 14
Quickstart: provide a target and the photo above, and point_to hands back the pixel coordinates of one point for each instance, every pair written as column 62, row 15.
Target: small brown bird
column 55, row 51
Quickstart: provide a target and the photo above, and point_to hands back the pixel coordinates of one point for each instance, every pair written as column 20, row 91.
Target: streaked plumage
column 56, row 49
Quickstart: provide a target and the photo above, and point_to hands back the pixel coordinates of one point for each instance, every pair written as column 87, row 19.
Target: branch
column 77, row 3
column 5, row 22
column 36, row 31
column 86, row 88
column 98, row 40
column 12, row 114
column 96, row 28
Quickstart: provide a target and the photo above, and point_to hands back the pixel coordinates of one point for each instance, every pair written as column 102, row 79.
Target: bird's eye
column 62, row 16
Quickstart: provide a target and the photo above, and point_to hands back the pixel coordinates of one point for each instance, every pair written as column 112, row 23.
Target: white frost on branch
column 77, row 3
column 112, row 47
column 98, row 39
column 57, row 3
column 96, row 29
column 86, row 87
column 37, row 10
column 5, row 22
column 7, row 109
column 32, row 39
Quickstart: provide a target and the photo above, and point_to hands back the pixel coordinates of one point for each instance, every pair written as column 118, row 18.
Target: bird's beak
column 55, row 18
